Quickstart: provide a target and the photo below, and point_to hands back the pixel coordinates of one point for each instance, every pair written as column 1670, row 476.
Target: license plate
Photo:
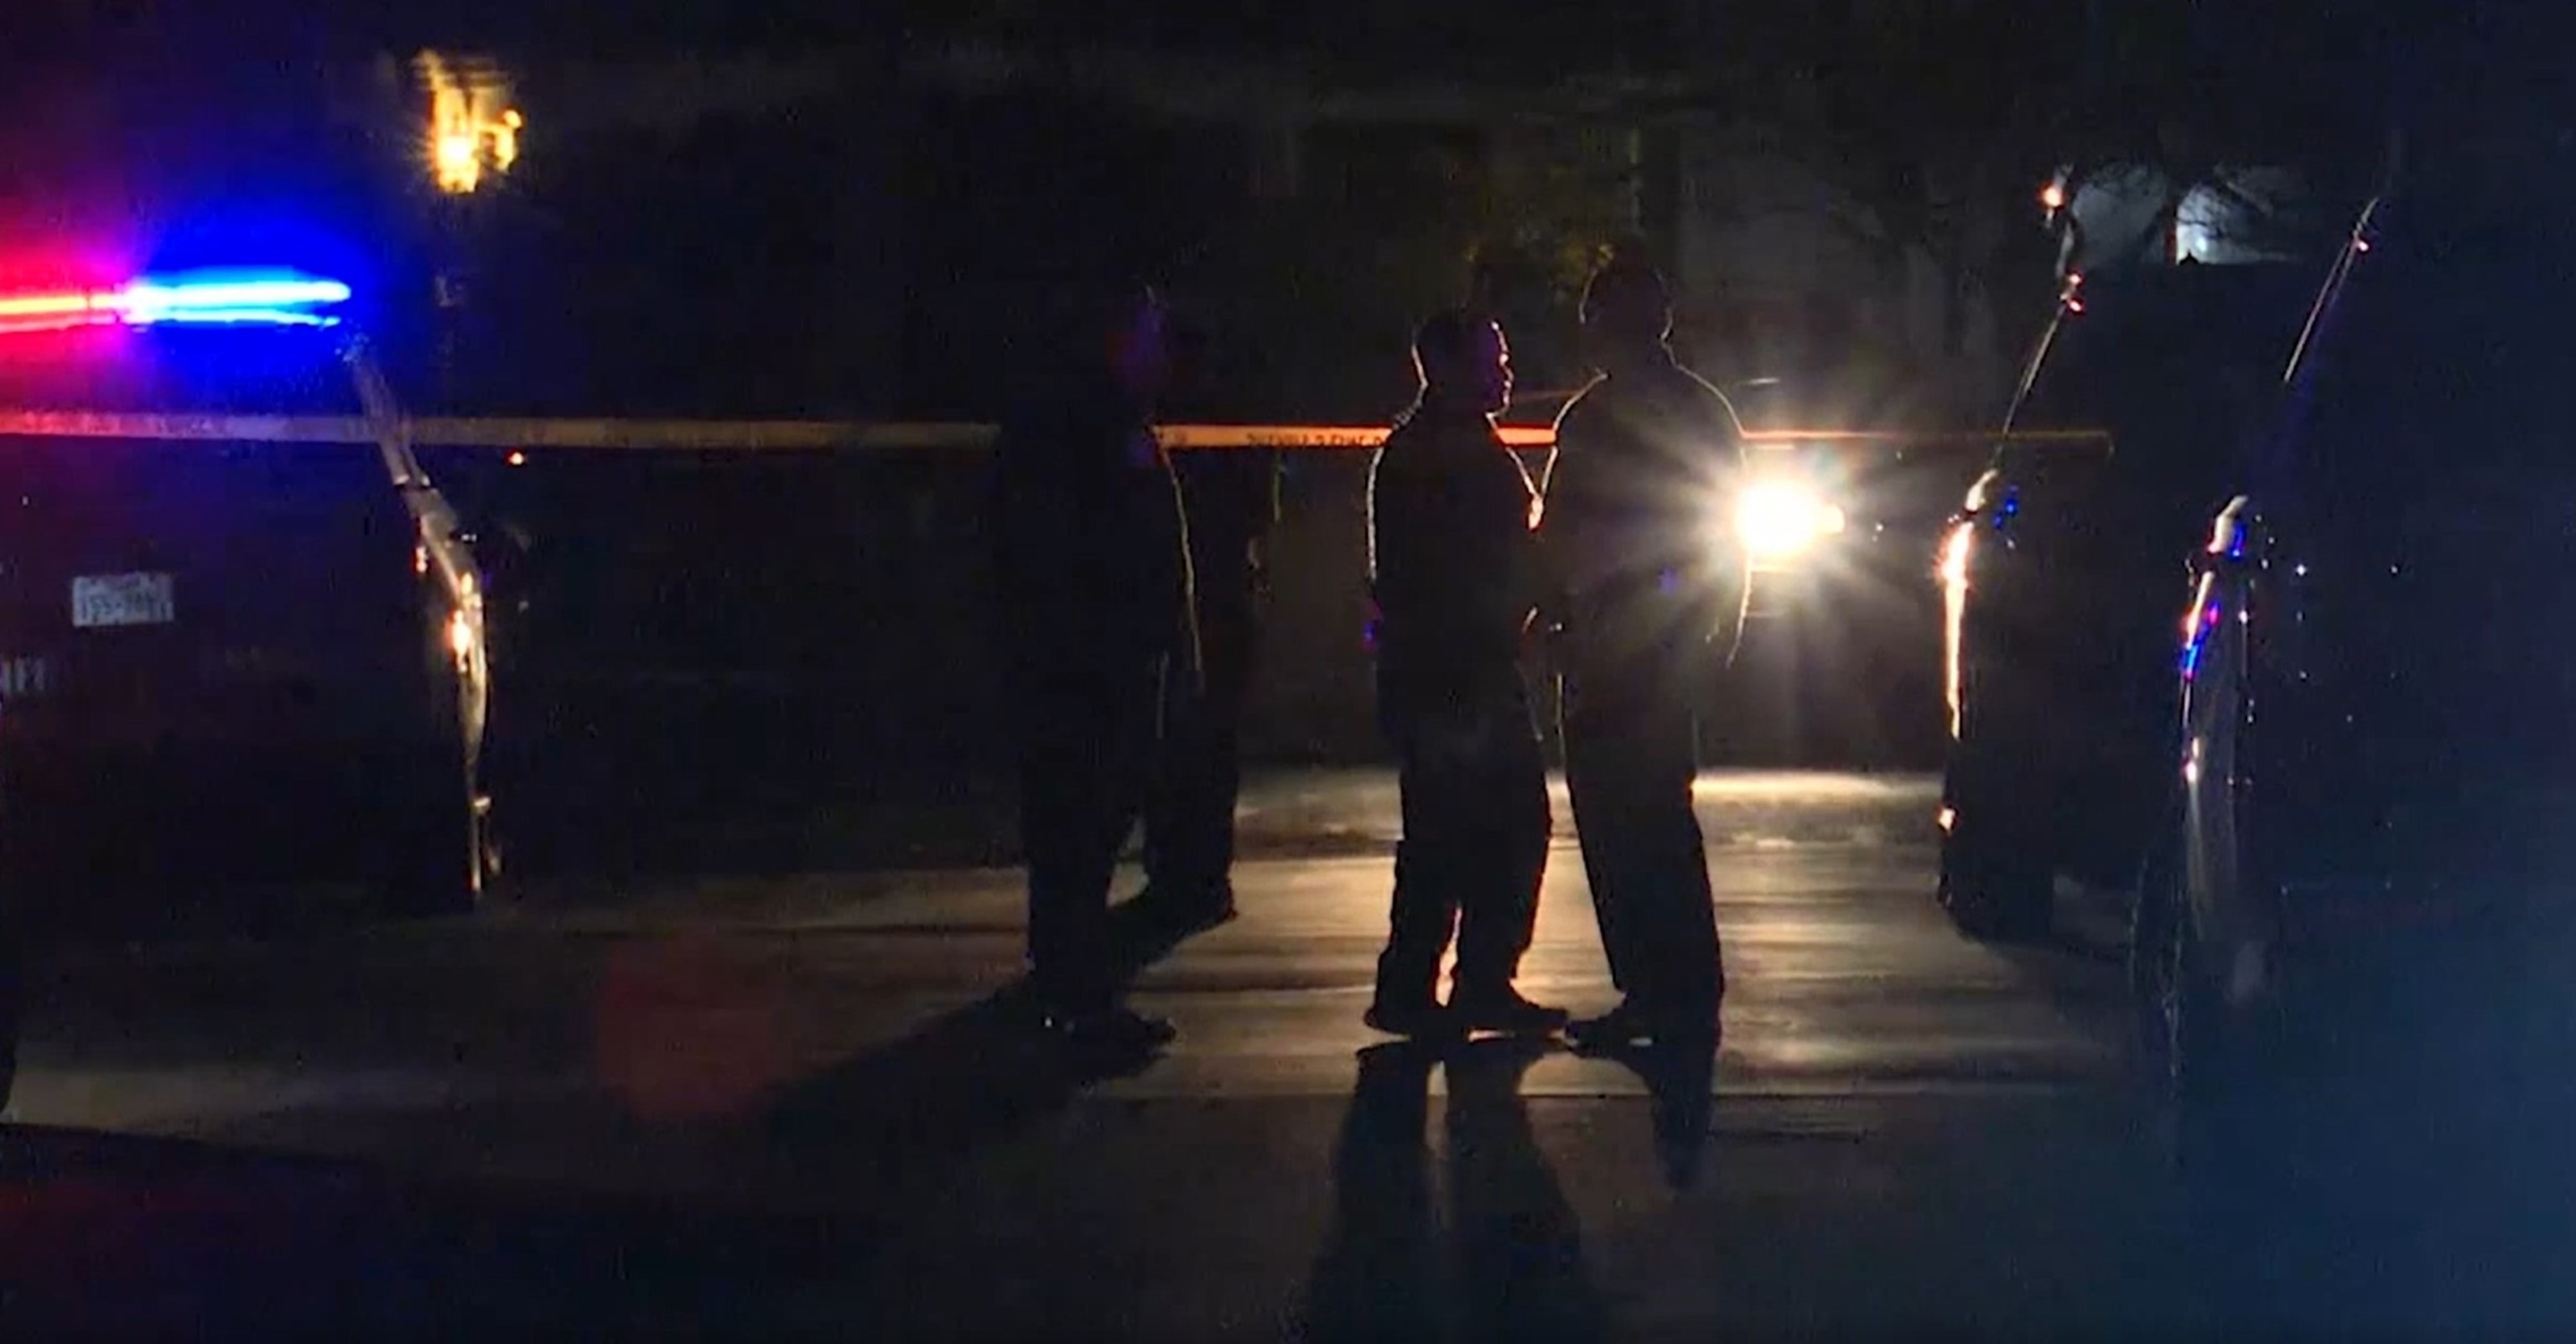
column 101, row 601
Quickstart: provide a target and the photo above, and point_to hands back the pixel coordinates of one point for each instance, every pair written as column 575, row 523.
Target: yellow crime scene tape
column 820, row 435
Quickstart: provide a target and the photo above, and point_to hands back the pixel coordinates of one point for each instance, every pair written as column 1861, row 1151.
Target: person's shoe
column 1504, row 1010
column 1637, row 1025
column 1419, row 1018
column 1621, row 1027
column 1111, row 1029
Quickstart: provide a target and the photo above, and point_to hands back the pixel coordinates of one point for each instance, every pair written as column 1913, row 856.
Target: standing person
column 1231, row 497
column 1639, row 456
column 1453, row 568
column 1091, row 562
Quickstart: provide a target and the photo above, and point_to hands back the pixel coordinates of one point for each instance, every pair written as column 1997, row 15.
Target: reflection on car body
column 2359, row 700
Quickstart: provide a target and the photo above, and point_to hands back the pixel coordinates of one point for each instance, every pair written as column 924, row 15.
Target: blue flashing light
column 238, row 297
column 253, row 317
column 233, row 297
column 2199, row 640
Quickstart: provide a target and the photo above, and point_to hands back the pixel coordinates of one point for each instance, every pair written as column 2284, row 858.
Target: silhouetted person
column 1453, row 568
column 1644, row 458
column 1231, row 496
column 1092, row 568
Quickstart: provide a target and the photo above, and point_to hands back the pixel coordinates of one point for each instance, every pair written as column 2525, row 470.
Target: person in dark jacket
column 1091, row 565
column 1231, row 497
column 1453, row 568
column 1643, row 457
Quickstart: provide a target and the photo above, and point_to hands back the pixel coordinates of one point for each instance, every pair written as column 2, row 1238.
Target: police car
column 241, row 632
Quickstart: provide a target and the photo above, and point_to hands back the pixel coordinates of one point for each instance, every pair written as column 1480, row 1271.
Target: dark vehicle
column 2062, row 575
column 2362, row 703
column 2060, row 570
column 241, row 633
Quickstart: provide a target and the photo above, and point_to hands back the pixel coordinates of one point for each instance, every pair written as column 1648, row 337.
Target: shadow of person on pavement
column 964, row 1079
column 1513, row 1267
column 1681, row 1080
column 1520, row 1247
column 1379, row 1275
column 898, row 1118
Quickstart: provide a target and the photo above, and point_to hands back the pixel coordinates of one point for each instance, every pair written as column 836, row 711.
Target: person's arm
column 1580, row 557
column 1516, row 516
column 1728, row 573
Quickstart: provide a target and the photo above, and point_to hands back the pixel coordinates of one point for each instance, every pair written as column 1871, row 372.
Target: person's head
column 1463, row 361
column 1627, row 312
column 1128, row 321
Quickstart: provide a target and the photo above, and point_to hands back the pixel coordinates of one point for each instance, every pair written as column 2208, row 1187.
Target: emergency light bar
column 257, row 297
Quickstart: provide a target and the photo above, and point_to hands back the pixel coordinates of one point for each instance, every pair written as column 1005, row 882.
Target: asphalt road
column 793, row 1103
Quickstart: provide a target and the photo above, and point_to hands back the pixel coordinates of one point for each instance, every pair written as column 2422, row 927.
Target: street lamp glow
column 473, row 130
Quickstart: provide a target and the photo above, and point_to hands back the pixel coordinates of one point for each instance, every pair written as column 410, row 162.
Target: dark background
column 800, row 210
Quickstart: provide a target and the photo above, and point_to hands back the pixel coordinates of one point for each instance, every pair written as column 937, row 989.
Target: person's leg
column 1130, row 715
column 1085, row 787
column 1062, row 815
column 1595, row 781
column 1424, row 909
column 1229, row 685
column 1169, row 785
column 1637, row 764
column 1677, row 903
column 1189, row 818
column 1499, row 908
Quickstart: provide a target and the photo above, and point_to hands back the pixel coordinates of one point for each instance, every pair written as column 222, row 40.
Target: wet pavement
column 798, row 1103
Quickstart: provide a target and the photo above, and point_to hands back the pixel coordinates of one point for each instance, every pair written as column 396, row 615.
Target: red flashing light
column 55, row 312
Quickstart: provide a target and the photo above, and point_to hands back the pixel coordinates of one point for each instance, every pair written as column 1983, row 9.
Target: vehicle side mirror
column 1990, row 490
column 2231, row 537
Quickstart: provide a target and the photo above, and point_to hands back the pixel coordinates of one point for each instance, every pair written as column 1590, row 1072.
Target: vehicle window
column 2158, row 352
column 2180, row 364
column 2440, row 388
column 197, row 372
column 211, row 370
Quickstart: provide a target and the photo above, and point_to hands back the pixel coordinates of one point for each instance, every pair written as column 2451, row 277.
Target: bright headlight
column 1779, row 519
